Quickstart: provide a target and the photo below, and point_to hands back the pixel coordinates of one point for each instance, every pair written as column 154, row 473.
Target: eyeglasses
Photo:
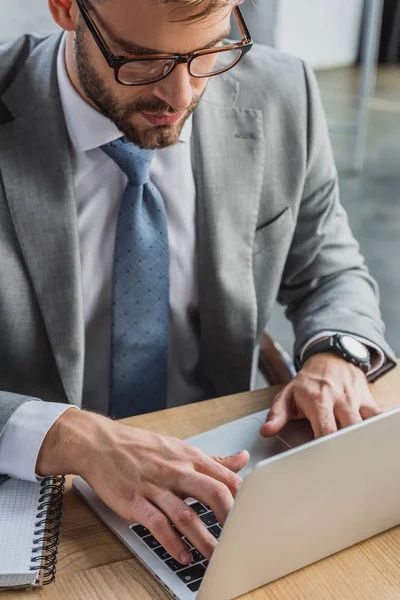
column 148, row 69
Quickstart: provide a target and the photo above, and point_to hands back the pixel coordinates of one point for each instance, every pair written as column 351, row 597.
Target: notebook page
column 18, row 510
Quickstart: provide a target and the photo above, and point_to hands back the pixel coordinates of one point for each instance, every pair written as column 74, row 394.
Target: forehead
column 151, row 23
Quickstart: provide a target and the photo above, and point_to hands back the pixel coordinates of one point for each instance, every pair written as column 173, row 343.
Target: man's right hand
column 144, row 477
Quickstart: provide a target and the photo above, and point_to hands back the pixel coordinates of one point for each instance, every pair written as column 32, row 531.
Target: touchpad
column 243, row 434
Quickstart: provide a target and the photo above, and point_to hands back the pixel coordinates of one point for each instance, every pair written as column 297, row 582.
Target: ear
column 63, row 12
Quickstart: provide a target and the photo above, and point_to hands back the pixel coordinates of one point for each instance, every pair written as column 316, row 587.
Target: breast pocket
column 271, row 247
column 269, row 236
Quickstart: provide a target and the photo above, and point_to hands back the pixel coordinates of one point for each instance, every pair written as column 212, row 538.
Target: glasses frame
column 116, row 62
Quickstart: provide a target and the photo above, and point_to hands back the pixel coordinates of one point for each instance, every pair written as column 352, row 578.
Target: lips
column 161, row 119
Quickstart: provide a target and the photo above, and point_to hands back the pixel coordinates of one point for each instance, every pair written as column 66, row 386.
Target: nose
column 176, row 89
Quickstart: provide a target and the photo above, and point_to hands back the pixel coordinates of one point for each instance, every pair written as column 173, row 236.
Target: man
column 120, row 265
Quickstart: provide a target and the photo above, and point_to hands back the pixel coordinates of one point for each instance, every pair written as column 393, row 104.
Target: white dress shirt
column 99, row 186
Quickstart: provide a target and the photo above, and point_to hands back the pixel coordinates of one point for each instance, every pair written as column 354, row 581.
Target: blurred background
column 342, row 40
column 354, row 47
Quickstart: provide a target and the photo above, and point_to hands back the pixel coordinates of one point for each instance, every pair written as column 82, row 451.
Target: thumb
column 279, row 415
column 234, row 463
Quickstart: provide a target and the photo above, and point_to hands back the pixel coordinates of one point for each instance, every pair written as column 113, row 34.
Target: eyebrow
column 134, row 49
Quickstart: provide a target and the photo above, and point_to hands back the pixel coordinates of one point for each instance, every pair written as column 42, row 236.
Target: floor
column 373, row 198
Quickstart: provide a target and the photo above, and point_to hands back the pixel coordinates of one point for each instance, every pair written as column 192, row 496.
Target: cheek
column 106, row 75
column 124, row 94
column 198, row 85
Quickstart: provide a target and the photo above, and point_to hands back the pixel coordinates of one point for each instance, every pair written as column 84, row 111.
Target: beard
column 121, row 114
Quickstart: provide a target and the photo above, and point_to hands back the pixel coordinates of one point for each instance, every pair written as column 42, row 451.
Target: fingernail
column 185, row 558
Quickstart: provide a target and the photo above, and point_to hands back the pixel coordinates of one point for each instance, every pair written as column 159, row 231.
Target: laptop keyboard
column 193, row 574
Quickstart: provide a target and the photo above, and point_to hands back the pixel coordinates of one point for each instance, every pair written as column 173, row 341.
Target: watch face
column 354, row 347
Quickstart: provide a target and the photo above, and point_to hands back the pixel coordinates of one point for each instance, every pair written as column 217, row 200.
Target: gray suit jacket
column 269, row 225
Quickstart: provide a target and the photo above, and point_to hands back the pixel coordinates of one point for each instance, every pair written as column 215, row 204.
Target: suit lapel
column 35, row 166
column 228, row 157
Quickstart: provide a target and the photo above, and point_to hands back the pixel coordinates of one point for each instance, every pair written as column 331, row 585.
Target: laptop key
column 191, row 573
column 193, row 587
column 174, row 565
column 140, row 530
column 199, row 508
column 216, row 531
column 151, row 542
column 209, row 519
column 197, row 557
column 162, row 553
column 206, row 563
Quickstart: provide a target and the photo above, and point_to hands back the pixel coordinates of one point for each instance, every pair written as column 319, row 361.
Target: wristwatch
column 344, row 346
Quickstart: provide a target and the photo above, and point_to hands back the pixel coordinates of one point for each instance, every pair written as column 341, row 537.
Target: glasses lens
column 216, row 62
column 144, row 71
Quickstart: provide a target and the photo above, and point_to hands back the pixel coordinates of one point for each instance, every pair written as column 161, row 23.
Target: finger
column 321, row 416
column 187, row 522
column 234, row 463
column 367, row 411
column 219, row 469
column 368, row 407
column 346, row 415
column 209, row 491
column 279, row 415
column 147, row 514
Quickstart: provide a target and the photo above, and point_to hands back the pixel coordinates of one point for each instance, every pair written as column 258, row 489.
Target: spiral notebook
column 30, row 515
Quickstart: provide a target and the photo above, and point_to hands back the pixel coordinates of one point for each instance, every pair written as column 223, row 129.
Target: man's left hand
column 328, row 391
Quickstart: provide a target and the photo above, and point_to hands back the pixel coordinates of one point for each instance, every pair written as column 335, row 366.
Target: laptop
column 301, row 500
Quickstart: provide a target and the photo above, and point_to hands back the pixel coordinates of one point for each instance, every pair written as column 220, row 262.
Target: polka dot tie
column 139, row 349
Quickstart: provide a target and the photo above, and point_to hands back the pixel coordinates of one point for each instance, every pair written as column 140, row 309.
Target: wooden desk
column 93, row 564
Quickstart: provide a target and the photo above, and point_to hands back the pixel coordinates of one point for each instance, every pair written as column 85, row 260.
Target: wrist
column 323, row 357
column 328, row 363
column 69, row 444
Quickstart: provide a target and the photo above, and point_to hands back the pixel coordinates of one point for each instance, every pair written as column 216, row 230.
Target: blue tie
column 139, row 348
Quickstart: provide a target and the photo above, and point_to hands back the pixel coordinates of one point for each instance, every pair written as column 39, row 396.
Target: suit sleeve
column 326, row 284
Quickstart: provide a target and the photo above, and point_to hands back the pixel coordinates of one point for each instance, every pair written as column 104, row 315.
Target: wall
column 326, row 33
column 21, row 16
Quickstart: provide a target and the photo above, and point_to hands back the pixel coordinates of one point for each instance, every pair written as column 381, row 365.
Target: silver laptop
column 301, row 500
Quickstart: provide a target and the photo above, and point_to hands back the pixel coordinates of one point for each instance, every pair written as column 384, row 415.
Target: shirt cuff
column 23, row 436
column 378, row 357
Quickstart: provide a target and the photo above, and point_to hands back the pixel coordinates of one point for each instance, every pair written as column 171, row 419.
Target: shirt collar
column 87, row 127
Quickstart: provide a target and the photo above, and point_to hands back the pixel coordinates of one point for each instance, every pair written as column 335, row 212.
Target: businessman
column 160, row 189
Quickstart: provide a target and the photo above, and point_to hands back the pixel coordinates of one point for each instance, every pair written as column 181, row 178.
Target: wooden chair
column 274, row 363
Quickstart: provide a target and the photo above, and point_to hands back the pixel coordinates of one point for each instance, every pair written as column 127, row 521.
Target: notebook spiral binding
column 47, row 529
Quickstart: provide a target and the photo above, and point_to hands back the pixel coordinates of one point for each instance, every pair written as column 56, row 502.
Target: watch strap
column 323, row 345
column 332, row 344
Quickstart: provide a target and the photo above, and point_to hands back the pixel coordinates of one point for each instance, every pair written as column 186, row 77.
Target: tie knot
column 134, row 161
